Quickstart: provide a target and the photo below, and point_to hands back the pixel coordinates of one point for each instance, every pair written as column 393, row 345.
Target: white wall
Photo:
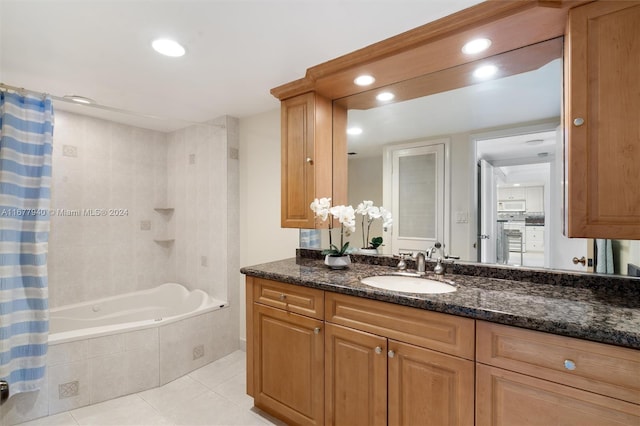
column 261, row 238
column 365, row 183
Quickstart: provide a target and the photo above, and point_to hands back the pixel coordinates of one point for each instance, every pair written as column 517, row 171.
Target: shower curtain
column 26, row 131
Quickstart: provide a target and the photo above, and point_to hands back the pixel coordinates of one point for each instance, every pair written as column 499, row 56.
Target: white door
column 487, row 202
column 417, row 194
column 561, row 249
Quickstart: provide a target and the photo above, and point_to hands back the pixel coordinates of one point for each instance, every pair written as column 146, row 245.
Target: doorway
column 519, row 197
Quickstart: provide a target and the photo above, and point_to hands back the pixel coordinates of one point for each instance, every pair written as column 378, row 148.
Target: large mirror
column 476, row 163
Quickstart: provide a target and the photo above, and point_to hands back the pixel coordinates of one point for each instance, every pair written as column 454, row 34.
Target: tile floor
column 211, row 395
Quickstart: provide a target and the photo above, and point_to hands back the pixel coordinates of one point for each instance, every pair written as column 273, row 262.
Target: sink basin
column 408, row 284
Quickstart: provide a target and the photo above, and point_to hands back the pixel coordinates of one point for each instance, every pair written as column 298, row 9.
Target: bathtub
column 107, row 348
column 162, row 305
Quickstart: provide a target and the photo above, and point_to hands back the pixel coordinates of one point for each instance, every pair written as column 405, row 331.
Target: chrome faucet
column 420, row 262
column 436, row 247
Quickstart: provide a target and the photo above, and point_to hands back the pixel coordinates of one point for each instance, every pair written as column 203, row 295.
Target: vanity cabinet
column 307, row 157
column 601, row 118
column 527, row 377
column 287, row 351
column 395, row 364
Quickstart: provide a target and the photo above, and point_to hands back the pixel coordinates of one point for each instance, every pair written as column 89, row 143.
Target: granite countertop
column 601, row 313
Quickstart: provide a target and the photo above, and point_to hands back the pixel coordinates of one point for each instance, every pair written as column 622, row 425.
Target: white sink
column 408, row 284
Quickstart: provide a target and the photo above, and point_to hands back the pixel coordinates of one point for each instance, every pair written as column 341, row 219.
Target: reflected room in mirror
column 475, row 162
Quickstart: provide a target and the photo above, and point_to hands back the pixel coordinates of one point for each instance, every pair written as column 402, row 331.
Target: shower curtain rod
column 24, row 91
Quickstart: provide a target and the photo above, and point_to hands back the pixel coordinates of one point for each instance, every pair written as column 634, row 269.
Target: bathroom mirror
column 502, row 164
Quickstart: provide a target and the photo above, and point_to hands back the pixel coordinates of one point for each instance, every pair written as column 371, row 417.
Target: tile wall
column 99, row 164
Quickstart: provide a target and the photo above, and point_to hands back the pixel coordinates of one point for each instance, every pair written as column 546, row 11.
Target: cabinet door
column 306, row 157
column 535, row 199
column 288, row 365
column 355, row 377
column 507, row 398
column 428, row 387
column 603, row 144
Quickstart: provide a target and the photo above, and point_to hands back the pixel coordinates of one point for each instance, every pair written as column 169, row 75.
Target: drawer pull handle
column 391, row 354
column 309, row 160
column 283, row 296
column 569, row 365
column 579, row 121
column 316, row 330
column 378, row 350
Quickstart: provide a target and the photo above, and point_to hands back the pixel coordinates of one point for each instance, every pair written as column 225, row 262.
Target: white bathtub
column 162, row 305
column 116, row 346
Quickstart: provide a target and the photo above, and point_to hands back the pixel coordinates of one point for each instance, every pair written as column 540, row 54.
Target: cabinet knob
column 309, row 160
column 316, row 330
column 578, row 121
column 283, row 296
column 569, row 365
column 391, row 354
column 582, row 260
column 378, row 350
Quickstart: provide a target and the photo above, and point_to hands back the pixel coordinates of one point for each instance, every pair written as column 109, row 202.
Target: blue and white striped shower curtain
column 26, row 132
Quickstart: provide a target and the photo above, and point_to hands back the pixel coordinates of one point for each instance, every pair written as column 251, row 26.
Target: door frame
column 387, row 186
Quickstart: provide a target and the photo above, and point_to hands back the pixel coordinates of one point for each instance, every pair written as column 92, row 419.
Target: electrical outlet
column 145, row 225
column 234, row 153
column 192, row 159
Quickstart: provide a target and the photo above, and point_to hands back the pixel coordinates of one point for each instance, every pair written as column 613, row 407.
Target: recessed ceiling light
column 516, row 184
column 485, row 71
column 385, row 96
column 79, row 99
column 364, row 80
column 354, row 131
column 476, row 46
column 168, row 47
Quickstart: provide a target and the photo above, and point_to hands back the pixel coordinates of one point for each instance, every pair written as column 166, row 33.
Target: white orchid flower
column 387, row 219
column 363, row 207
column 321, row 207
column 374, row 213
column 345, row 215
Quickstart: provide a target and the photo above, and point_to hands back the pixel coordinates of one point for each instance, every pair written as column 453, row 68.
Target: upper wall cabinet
column 307, row 157
column 603, row 120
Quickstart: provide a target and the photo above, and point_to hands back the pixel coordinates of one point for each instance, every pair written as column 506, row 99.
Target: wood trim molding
column 549, row 18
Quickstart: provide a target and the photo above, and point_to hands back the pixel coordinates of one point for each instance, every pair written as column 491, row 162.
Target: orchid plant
column 370, row 213
column 345, row 215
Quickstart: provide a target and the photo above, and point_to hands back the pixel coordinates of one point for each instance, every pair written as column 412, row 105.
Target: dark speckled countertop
column 593, row 310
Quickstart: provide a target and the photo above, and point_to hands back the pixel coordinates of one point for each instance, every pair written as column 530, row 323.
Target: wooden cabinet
column 355, row 377
column 526, row 377
column 308, row 163
column 602, row 127
column 428, row 387
column 372, row 378
column 287, row 352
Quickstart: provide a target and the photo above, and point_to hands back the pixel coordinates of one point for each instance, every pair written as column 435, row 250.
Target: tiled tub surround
column 590, row 307
column 92, row 369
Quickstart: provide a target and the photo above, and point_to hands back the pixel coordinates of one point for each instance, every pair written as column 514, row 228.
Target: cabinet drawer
column 600, row 368
column 505, row 398
column 292, row 298
column 433, row 330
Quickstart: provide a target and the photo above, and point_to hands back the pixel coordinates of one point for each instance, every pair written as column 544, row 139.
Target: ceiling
column 237, row 50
